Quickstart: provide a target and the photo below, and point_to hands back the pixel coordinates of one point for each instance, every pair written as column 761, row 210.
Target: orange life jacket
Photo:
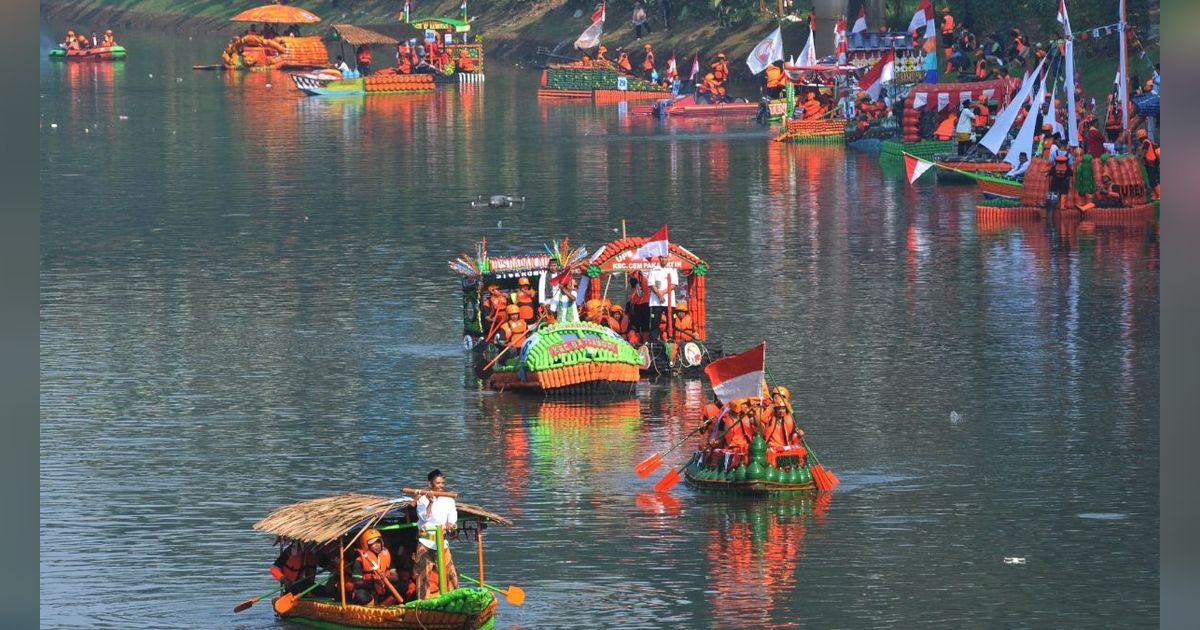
column 945, row 130
column 375, row 569
column 738, row 436
column 981, row 70
column 812, row 108
column 525, row 300
column 648, row 61
column 294, row 563
column 364, row 55
column 947, row 24
column 1060, row 169
column 623, row 63
column 465, row 62
column 720, row 70
column 515, row 332
column 774, row 76
column 685, row 330
column 1151, row 155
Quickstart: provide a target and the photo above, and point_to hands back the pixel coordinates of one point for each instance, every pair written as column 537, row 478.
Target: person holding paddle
column 372, row 570
column 434, row 510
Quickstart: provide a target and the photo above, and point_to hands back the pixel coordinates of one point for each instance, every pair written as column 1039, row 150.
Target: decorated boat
column 956, row 166
column 324, row 535
column 923, row 106
column 1029, row 197
column 252, row 51
column 467, row 57
column 598, row 81
column 685, row 106
column 570, row 358
column 829, row 80
column 96, row 53
column 763, row 471
column 682, row 351
column 327, row 82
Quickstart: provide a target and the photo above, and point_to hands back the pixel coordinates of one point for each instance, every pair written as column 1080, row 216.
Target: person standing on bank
column 432, row 512
column 639, row 20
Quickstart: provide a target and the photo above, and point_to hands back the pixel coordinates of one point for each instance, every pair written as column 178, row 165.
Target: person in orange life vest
column 295, row 567
column 685, row 329
column 465, row 62
column 84, row 42
column 1060, row 178
column 363, row 56
column 434, row 512
column 784, row 431
column 638, row 304
column 403, row 58
column 109, row 40
column 736, row 429
column 947, row 35
column 648, row 63
column 1149, row 153
column 812, row 107
column 372, row 568
column 1109, row 195
column 706, row 89
column 623, row 64
column 592, row 311
column 945, row 129
column 493, row 307
column 775, row 82
column 614, row 318
column 720, row 68
column 514, row 330
column 526, row 299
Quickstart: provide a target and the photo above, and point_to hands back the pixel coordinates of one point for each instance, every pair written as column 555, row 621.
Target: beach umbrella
column 276, row 14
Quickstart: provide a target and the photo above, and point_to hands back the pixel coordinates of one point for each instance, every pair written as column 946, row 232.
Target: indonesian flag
column 590, row 37
column 1062, row 17
column 598, row 15
column 915, row 167
column 656, row 246
column 839, row 38
column 672, row 71
column 923, row 17
column 882, row 72
column 739, row 375
column 766, row 52
column 695, row 67
column 860, row 24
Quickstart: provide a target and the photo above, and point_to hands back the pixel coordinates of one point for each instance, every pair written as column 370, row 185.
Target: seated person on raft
column 372, row 572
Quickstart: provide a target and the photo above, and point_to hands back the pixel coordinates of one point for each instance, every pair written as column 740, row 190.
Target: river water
column 245, row 303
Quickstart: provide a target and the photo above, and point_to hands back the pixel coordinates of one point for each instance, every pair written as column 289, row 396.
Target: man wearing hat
column 526, row 299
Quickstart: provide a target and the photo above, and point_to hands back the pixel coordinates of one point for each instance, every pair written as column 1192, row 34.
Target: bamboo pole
column 342, row 570
column 441, row 568
column 479, row 545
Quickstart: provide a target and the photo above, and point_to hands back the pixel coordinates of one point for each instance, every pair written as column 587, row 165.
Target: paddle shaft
column 250, row 602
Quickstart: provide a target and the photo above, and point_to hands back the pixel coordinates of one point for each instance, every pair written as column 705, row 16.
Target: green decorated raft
column 599, row 81
column 780, row 473
column 97, row 53
column 570, row 358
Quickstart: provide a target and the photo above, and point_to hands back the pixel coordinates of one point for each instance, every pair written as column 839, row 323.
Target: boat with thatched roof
column 328, row 527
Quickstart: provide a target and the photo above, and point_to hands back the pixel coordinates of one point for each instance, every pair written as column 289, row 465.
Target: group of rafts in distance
column 358, row 560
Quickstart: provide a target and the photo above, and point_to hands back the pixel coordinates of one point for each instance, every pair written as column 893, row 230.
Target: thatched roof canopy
column 357, row 35
column 328, row 518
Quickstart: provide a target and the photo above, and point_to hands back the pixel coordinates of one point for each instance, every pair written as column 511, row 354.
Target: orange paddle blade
column 514, row 595
column 649, row 465
column 285, row 603
column 668, row 481
column 244, row 605
column 818, row 473
column 834, row 481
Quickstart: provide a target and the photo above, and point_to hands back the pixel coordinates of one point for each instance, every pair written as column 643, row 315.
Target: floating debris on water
column 1014, row 560
column 1102, row 516
column 955, row 418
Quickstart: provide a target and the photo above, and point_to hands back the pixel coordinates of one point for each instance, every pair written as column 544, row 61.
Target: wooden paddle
column 513, row 594
column 288, row 600
column 253, row 600
column 650, row 464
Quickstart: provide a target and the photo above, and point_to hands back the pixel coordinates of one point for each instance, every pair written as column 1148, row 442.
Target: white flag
column 919, row 99
column 943, row 100
column 766, row 52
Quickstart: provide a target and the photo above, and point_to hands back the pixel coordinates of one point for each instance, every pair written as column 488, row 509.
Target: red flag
column 655, row 246
column 695, row 66
column 739, row 375
column 923, row 17
column 598, row 15
column 883, row 71
column 915, row 167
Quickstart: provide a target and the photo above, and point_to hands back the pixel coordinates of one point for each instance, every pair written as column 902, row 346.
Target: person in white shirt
column 966, row 125
column 434, row 511
column 662, row 281
column 1018, row 171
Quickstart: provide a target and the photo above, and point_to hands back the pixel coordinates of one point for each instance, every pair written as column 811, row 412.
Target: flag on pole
column 672, row 71
column 598, row 15
column 766, row 52
column 463, row 6
column 695, row 66
column 1062, row 17
column 590, row 37
column 860, row 24
column 882, row 72
column 740, row 375
column 808, row 56
column 839, row 38
column 915, row 167
column 655, row 246
column 923, row 18
column 407, row 9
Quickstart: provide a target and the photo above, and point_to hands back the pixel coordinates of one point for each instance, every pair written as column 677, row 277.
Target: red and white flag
column 1062, row 17
column 740, row 375
column 839, row 38
column 923, row 18
column 695, row 67
column 598, row 15
column 882, row 72
column 672, row 72
column 655, row 246
column 915, row 167
column 860, row 24
column 590, row 37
